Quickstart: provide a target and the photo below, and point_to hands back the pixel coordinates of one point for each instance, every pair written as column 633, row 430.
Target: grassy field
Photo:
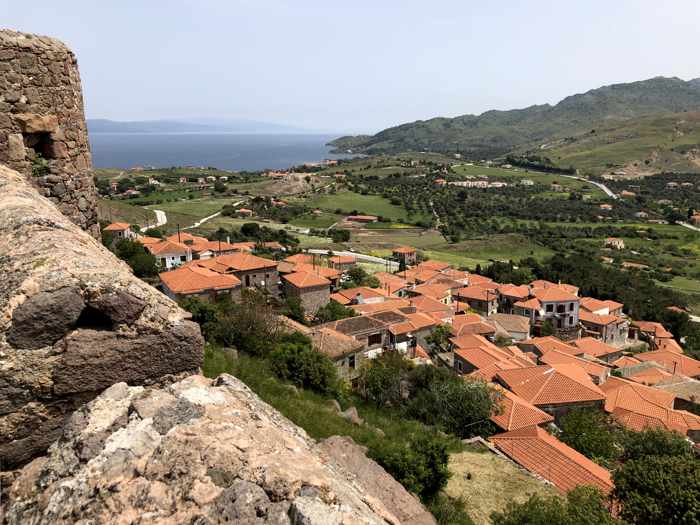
column 197, row 208
column 309, row 220
column 487, row 482
column 348, row 201
column 121, row 211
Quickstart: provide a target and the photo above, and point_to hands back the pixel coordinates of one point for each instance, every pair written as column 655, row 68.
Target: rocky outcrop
column 201, row 451
column 42, row 125
column 73, row 321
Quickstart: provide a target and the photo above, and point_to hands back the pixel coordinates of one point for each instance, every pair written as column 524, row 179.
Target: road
column 202, row 221
column 392, row 265
column 161, row 219
column 600, row 185
column 689, row 226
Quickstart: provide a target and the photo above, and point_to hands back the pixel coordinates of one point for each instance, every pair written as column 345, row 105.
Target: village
column 544, row 347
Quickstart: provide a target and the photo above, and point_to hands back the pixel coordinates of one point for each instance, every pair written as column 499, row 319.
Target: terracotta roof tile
column 521, row 292
column 167, row 247
column 594, row 347
column 595, row 370
column 596, row 319
column 515, row 413
column 673, row 362
column 437, row 266
column 117, row 227
column 305, row 280
column 541, row 453
column 239, row 262
column 554, row 294
column 651, row 327
column 404, row 249
column 552, row 384
column 194, row 279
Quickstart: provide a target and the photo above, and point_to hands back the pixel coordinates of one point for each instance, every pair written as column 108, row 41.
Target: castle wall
column 41, row 117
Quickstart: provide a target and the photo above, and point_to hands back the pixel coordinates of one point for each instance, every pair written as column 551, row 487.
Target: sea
column 227, row 151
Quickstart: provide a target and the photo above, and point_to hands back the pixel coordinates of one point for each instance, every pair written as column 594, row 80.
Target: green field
column 322, row 221
column 120, row 211
column 348, row 201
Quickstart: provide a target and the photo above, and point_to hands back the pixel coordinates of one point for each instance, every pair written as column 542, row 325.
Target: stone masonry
column 42, row 125
column 73, row 321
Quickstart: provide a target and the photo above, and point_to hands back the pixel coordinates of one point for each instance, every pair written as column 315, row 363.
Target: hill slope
column 495, row 133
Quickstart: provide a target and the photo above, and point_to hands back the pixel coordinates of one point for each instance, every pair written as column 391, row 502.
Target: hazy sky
column 358, row 65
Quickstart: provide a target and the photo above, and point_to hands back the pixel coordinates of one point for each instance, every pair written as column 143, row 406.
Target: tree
column 420, row 465
column 655, row 442
column 547, row 328
column 582, row 506
column 295, row 310
column 299, row 363
column 333, row 311
column 380, row 381
column 141, row 261
column 659, row 490
column 591, row 432
column 219, row 187
column 439, row 338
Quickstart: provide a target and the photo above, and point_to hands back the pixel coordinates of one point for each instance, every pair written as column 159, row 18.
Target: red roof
column 515, row 413
column 117, row 227
column 595, row 370
column 650, row 327
column 237, row 262
column 541, row 453
column 511, row 290
column 552, row 384
column 554, row 294
column 530, row 304
column 404, row 249
column 194, row 279
column 594, row 347
column 476, row 293
column 673, row 362
column 305, row 280
column 437, row 266
column 300, row 258
column 547, row 343
column 596, row 319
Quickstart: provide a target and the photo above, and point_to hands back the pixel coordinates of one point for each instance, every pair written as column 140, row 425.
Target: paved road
column 202, row 221
column 689, row 226
column 392, row 265
column 600, row 185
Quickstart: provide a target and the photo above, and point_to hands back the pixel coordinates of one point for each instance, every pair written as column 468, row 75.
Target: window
column 459, row 366
column 351, row 362
column 550, row 307
column 561, row 308
column 183, row 258
column 571, row 319
column 247, row 280
column 374, row 339
column 571, row 307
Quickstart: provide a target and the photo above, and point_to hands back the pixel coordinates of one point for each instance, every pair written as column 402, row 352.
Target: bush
column 299, row 363
column 655, row 442
column 380, row 381
column 419, row 465
column 449, row 511
column 582, row 506
column 659, row 490
column 141, row 261
column 592, row 433
column 333, row 311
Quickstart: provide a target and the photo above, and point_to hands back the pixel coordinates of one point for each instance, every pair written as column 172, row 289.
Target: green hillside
column 496, row 133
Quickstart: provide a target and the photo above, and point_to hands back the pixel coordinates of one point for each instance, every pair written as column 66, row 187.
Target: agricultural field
column 348, row 201
column 120, row 211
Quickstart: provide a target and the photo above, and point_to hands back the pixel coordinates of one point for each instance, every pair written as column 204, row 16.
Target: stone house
column 406, row 255
column 413, row 331
column 610, row 329
column 556, row 389
column 596, row 348
column 342, row 262
column 170, row 254
column 253, row 272
column 371, row 332
column 195, row 281
column 481, row 299
column 312, row 290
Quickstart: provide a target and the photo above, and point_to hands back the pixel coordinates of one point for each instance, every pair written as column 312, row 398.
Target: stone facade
column 73, row 321
column 312, row 297
column 41, row 114
column 267, row 278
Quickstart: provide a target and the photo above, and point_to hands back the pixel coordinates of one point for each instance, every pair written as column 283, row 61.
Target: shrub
column 299, row 363
column 333, row 311
column 380, row 381
column 655, row 442
column 449, row 511
column 592, row 433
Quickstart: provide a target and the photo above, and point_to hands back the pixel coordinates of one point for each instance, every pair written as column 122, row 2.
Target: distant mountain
column 200, row 125
column 495, row 133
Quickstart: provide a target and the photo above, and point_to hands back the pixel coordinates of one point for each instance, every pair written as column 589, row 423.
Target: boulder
column 33, row 123
column 201, row 451
column 73, row 321
column 352, row 416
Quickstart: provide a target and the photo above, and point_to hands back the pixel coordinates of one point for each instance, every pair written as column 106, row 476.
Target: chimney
column 228, row 239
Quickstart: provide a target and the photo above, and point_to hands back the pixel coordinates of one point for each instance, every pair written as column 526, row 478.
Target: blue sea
column 229, row 151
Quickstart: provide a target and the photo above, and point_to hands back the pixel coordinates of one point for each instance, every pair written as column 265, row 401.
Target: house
column 472, row 324
column 516, row 327
column 244, row 212
column 372, row 333
column 610, row 329
column 637, row 407
column 538, row 346
column 304, row 258
column 473, row 353
column 342, row 262
column 439, row 291
column 596, row 306
column 539, row 452
column 435, row 266
column 359, row 295
column 392, row 284
column 598, row 372
column 482, row 300
column 556, row 389
column 514, row 413
column 509, row 294
column 673, row 362
column 594, row 347
column 615, row 243
column 253, row 271
column 413, row 331
column 560, row 306
column 312, row 290
column 405, row 255
column 120, row 230
column 649, row 331
column 432, row 307
column 362, row 218
column 201, row 247
column 323, row 271
column 203, row 283
column 170, row 254
column 183, row 180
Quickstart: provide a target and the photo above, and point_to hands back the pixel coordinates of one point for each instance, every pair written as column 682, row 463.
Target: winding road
column 161, row 219
column 599, row 185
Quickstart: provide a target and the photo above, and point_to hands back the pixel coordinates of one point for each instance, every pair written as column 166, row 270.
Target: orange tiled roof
column 404, row 249
column 593, row 347
column 475, row 279
column 300, row 258
column 547, row 343
column 596, row 319
column 323, row 271
column 166, row 246
column 554, row 294
column 117, row 227
column 625, row 360
column 673, row 362
column 657, row 329
column 476, row 293
column 510, row 290
column 145, row 240
column 669, row 345
column 364, row 291
column 412, row 323
column 515, row 412
column 436, row 266
column 593, row 305
column 427, row 304
column 552, row 384
column 594, row 370
column 456, row 275
column 305, row 280
column 238, row 262
column 541, row 453
column 637, row 407
column 194, row 279
column 530, row 304
column 390, row 283
column 436, row 291
column 477, row 328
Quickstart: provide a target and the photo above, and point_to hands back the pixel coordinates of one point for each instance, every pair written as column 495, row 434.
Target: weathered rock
column 73, row 321
column 234, row 459
column 41, row 104
column 352, row 416
column 344, row 453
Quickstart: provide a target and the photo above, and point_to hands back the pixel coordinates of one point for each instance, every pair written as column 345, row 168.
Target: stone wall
column 41, row 113
column 73, row 321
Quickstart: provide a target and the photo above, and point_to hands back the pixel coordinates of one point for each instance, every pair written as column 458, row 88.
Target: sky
column 357, row 66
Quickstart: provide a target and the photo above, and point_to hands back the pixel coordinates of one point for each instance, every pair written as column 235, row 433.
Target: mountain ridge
column 495, row 133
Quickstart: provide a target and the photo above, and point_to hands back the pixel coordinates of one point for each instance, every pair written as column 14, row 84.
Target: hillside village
column 546, row 349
